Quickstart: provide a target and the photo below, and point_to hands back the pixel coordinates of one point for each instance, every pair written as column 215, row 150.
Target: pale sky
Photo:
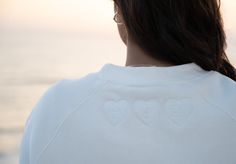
column 76, row 15
column 79, row 15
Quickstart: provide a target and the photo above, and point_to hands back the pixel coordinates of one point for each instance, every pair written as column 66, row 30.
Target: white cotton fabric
column 134, row 115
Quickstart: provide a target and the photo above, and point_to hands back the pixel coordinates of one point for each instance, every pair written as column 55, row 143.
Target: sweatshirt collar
column 150, row 75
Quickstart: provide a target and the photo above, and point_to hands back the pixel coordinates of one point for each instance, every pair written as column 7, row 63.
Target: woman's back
column 135, row 115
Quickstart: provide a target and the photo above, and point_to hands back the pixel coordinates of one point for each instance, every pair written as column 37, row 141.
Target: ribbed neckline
column 150, row 75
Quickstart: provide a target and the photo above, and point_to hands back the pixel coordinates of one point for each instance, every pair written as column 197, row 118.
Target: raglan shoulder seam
column 92, row 91
column 208, row 101
column 219, row 108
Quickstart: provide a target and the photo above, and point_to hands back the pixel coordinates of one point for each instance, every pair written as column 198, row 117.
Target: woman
column 174, row 102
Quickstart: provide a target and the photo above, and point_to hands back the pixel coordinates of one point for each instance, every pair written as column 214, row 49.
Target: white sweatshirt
column 135, row 115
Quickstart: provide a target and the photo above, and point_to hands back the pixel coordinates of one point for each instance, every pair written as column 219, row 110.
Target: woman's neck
column 136, row 56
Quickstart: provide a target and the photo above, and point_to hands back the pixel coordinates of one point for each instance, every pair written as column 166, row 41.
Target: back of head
column 179, row 31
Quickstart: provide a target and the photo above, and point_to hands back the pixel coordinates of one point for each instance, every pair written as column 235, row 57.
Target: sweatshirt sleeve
column 46, row 101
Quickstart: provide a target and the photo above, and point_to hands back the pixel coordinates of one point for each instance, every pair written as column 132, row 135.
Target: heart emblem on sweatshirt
column 147, row 111
column 116, row 112
column 179, row 111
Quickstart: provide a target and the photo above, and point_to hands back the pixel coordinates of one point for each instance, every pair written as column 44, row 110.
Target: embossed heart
column 116, row 111
column 146, row 111
column 179, row 111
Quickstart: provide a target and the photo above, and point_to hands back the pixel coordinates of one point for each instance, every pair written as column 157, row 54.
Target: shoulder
column 70, row 92
column 53, row 108
column 220, row 91
column 67, row 93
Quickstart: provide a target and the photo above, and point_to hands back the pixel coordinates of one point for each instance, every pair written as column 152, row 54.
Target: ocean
column 31, row 61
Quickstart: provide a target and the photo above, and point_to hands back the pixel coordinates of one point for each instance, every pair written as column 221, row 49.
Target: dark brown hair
column 179, row 31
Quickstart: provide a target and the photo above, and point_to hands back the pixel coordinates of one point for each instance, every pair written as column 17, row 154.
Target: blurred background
column 43, row 41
